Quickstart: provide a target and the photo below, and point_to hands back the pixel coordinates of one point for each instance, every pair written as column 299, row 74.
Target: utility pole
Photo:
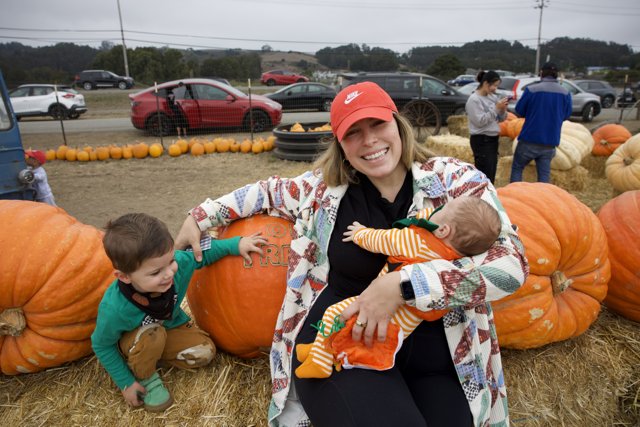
column 124, row 47
column 540, row 4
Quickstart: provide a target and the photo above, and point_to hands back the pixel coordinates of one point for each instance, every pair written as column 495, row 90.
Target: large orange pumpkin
column 53, row 272
column 620, row 218
column 609, row 137
column 236, row 303
column 568, row 257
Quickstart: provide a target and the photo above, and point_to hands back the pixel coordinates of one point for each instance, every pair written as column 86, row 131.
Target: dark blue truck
column 15, row 177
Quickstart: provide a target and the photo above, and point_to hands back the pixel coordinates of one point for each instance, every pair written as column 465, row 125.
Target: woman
column 485, row 111
column 448, row 372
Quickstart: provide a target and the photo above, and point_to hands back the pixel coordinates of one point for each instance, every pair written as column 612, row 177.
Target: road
column 46, row 125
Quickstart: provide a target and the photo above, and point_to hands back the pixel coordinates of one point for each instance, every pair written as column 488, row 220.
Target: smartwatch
column 406, row 288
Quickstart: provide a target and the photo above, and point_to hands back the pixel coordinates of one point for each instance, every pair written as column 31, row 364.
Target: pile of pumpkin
column 297, row 127
column 612, row 141
column 141, row 150
column 53, row 272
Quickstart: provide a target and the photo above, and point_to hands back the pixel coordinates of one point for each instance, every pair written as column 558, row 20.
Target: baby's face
column 32, row 162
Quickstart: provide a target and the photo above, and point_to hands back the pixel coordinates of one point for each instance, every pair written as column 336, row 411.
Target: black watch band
column 406, row 290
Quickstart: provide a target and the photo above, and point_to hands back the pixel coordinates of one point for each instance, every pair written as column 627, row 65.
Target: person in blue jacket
column 544, row 105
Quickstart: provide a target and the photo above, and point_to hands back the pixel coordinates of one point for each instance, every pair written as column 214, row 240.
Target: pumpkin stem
column 628, row 160
column 559, row 282
column 12, row 322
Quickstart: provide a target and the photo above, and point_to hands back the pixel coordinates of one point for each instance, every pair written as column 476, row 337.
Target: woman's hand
column 501, row 106
column 132, row 394
column 189, row 235
column 374, row 308
column 250, row 244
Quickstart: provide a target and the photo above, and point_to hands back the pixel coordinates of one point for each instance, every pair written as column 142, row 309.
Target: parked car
column 41, row 100
column 15, row 177
column 206, row 103
column 404, row 87
column 601, row 88
column 315, row 96
column 96, row 79
column 281, row 77
column 462, row 80
column 585, row 105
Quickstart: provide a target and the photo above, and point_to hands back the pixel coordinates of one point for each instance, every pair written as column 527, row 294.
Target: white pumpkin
column 623, row 166
column 576, row 143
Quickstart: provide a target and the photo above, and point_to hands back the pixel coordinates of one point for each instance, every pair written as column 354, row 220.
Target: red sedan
column 281, row 77
column 200, row 104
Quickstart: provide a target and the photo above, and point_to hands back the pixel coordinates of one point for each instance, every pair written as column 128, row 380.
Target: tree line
column 59, row 63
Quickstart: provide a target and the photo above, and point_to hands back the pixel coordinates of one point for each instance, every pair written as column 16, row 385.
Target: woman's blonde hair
column 336, row 169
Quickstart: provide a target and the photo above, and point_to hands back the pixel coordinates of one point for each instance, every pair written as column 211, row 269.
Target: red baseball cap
column 360, row 101
column 36, row 154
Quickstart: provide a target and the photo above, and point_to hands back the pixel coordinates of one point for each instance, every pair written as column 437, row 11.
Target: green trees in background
column 59, row 63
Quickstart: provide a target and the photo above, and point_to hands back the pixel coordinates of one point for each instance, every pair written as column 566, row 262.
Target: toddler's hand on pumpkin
column 132, row 394
column 250, row 244
column 351, row 231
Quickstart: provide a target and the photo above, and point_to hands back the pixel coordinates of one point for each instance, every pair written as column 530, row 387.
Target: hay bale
column 595, row 165
column 451, row 146
column 574, row 179
column 505, row 146
column 591, row 380
column 458, row 125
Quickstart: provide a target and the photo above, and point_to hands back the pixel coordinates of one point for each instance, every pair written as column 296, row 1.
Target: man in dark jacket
column 544, row 105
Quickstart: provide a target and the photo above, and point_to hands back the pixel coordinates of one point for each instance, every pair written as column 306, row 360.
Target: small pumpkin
column 566, row 247
column 197, row 149
column 620, row 218
column 183, row 144
column 245, row 146
column 234, row 146
column 209, row 147
column 140, row 150
column 222, row 145
column 623, row 166
column 82, row 156
column 71, row 155
column 102, row 153
column 61, row 152
column 50, row 155
column 257, row 147
column 238, row 303
column 53, row 272
column 175, row 150
column 156, row 150
column 609, row 137
column 115, row 152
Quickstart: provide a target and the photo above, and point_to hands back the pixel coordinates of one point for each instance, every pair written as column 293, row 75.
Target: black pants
column 422, row 389
column 485, row 154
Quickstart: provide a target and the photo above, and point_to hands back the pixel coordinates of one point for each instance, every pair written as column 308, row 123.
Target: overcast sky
column 310, row 25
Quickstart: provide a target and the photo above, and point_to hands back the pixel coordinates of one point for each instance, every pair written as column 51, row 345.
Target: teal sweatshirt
column 117, row 315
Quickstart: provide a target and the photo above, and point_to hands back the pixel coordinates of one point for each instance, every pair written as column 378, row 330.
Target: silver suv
column 585, row 105
column 42, row 100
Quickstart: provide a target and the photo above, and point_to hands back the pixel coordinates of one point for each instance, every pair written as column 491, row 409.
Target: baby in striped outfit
column 465, row 226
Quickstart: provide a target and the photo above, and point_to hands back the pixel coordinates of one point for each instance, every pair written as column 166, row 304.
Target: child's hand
column 352, row 229
column 250, row 244
column 132, row 392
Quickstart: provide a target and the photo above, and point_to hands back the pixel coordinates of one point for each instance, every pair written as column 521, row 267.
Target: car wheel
column 261, row 121
column 159, row 125
column 271, row 82
column 425, row 118
column 122, row 85
column 87, row 86
column 58, row 112
column 607, row 101
column 588, row 113
column 326, row 105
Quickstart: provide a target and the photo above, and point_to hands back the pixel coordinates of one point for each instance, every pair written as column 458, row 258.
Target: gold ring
column 361, row 324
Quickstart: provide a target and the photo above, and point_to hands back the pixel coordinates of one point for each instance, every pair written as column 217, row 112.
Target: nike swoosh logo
column 351, row 97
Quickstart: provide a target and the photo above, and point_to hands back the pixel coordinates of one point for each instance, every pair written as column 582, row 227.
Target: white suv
column 585, row 105
column 41, row 100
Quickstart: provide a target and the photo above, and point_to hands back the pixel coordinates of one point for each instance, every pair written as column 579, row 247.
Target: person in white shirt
column 35, row 159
